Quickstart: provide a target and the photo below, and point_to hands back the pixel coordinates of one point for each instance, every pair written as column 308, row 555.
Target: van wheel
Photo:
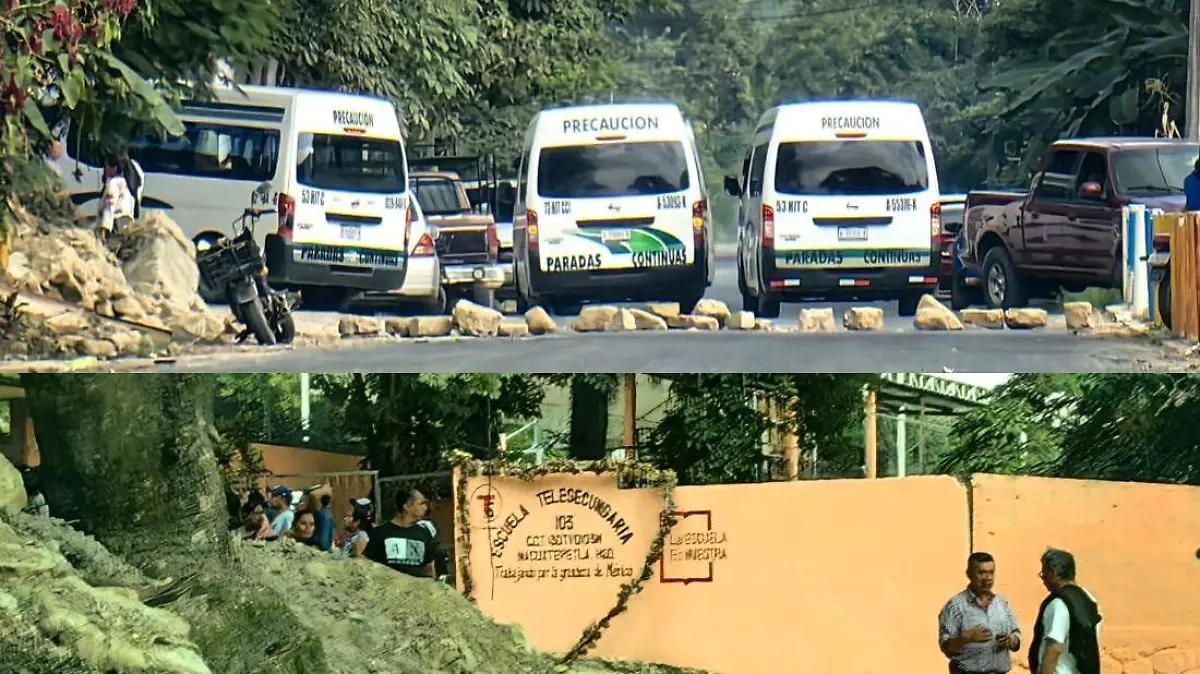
column 962, row 295
column 766, row 306
column 1164, row 298
column 437, row 305
column 687, row 303
column 1003, row 288
column 566, row 307
column 908, row 305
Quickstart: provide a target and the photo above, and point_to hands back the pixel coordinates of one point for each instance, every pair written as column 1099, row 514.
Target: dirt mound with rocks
column 67, row 605
column 148, row 277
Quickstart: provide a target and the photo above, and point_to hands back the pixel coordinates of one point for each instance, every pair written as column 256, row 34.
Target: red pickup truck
column 1066, row 231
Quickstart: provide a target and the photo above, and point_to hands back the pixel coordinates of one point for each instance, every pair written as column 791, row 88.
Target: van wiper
column 1154, row 188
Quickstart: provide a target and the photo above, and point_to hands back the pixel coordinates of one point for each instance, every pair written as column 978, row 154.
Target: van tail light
column 531, row 229
column 424, row 247
column 768, row 226
column 285, row 206
column 935, row 224
column 1162, row 243
column 699, row 218
column 410, row 217
column 493, row 240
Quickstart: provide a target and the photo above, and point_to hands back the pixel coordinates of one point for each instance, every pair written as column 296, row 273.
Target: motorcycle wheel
column 255, row 319
column 285, row 328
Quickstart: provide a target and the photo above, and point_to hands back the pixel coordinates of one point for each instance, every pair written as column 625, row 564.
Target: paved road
column 899, row 348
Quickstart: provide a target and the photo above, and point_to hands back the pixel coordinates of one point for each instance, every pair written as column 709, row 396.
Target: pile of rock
column 150, row 282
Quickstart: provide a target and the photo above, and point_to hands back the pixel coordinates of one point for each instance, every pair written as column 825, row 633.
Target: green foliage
column 712, row 432
column 1136, row 427
column 410, row 421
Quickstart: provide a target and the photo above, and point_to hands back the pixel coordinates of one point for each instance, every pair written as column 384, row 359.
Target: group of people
column 406, row 543
column 978, row 629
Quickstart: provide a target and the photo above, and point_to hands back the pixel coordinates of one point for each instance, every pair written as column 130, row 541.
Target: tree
column 132, row 458
column 712, row 432
column 410, row 421
column 1136, row 427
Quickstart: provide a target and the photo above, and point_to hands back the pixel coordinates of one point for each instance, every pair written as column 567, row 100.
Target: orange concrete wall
column 1137, row 549
column 831, row 576
column 282, row 460
column 796, row 570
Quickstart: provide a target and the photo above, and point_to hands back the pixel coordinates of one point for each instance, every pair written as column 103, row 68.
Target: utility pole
column 630, row 439
column 871, row 450
column 1192, row 104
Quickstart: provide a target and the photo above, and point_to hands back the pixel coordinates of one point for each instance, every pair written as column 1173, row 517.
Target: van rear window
column 851, row 168
column 351, row 163
column 612, row 170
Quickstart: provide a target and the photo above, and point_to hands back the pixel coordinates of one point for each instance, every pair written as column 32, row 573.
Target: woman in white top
column 358, row 527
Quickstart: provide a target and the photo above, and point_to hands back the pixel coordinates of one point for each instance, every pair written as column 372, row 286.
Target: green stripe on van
column 641, row 240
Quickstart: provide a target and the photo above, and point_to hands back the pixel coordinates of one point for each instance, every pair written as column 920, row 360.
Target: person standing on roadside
column 977, row 628
column 1066, row 636
column 281, row 501
column 403, row 543
column 1191, row 190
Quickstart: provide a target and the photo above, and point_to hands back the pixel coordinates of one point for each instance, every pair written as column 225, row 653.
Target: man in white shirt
column 1067, row 631
column 281, row 498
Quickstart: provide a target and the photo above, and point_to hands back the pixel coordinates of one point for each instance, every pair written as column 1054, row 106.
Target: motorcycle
column 236, row 266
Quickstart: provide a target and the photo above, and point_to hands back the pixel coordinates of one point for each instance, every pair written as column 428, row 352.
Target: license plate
column 852, row 233
column 351, row 233
column 614, row 235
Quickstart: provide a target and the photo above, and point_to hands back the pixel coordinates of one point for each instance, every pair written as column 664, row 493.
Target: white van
column 839, row 200
column 333, row 164
column 611, row 206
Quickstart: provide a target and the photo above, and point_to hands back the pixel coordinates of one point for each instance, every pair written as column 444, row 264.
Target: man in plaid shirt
column 977, row 628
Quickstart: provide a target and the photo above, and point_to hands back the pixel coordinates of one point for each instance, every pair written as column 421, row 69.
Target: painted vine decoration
column 467, row 466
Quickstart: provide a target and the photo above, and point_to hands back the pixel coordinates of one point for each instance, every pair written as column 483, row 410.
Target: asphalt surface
column 899, row 348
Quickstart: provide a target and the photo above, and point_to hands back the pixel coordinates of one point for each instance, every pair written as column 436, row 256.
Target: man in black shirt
column 401, row 543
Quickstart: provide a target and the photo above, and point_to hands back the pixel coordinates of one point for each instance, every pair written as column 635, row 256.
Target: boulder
column 1079, row 315
column 539, row 321
column 128, row 307
column 128, row 342
column 740, row 320
column 863, row 319
column 430, row 326
column 98, row 348
column 476, row 320
column 1025, row 319
column 933, row 315
column 645, row 320
column 594, row 319
column 665, row 310
column 396, row 327
column 815, row 320
column 622, row 321
column 1130, row 329
column 12, row 488
column 992, row 319
column 692, row 322
column 159, row 261
column 514, row 329
column 714, row 308
column 765, row 325
column 358, row 326
column 69, row 322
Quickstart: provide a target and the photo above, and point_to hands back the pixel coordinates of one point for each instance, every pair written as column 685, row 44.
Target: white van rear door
column 616, row 205
column 854, row 202
column 353, row 191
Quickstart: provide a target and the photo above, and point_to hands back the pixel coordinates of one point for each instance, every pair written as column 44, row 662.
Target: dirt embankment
column 131, row 297
column 68, row 606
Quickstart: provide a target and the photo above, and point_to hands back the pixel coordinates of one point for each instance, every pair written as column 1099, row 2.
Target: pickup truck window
column 1057, row 182
column 1158, row 170
column 1094, row 169
column 438, row 196
column 758, row 169
column 612, row 170
column 851, row 167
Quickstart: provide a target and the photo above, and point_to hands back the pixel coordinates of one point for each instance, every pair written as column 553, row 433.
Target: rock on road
column 900, row 348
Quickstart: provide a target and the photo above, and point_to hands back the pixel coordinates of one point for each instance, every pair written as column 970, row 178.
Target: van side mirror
column 1091, row 190
column 732, row 187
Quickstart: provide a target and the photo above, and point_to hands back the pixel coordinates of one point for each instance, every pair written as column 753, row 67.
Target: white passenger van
column 839, row 200
column 332, row 164
column 611, row 206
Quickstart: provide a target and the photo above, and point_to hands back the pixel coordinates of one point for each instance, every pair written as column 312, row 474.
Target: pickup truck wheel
column 1002, row 286
column 484, row 297
column 962, row 296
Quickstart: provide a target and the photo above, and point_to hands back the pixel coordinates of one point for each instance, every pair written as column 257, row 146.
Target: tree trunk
column 589, row 418
column 131, row 457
